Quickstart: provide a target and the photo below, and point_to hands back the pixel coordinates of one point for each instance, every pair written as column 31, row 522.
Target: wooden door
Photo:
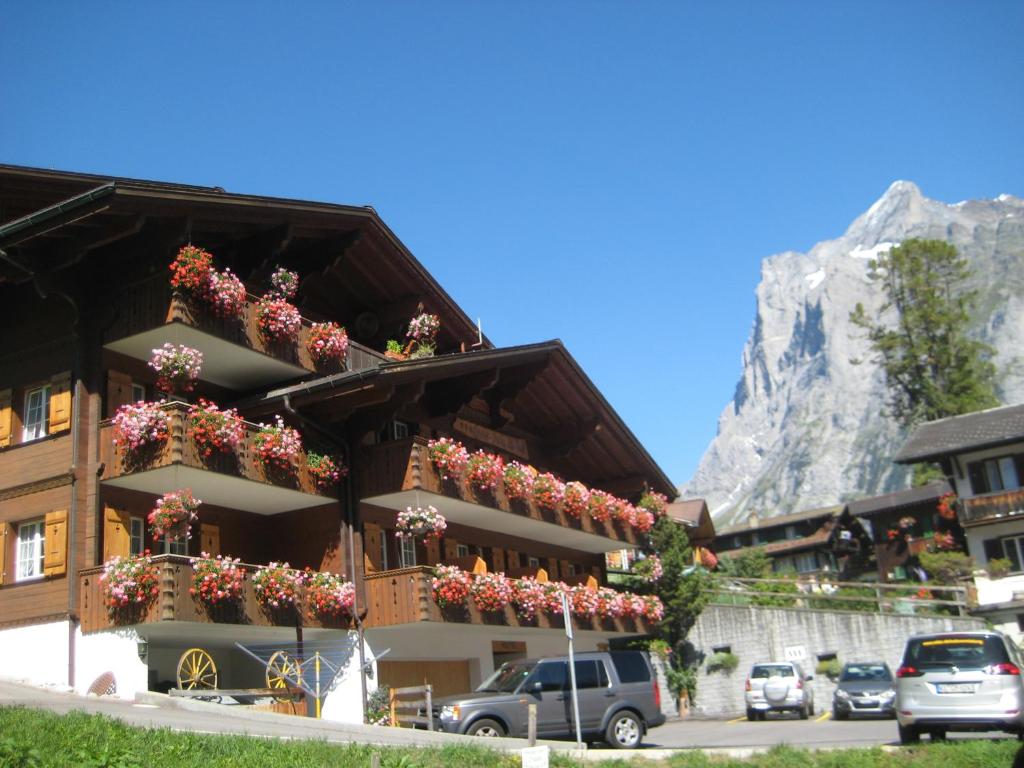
column 447, row 677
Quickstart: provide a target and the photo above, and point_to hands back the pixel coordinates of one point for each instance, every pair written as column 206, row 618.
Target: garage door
column 447, row 677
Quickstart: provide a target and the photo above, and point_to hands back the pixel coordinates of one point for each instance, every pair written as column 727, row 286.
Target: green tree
column 931, row 368
column 683, row 589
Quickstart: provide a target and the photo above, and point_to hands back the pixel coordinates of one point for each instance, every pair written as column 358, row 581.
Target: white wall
column 344, row 703
column 963, row 484
column 36, row 654
column 114, row 651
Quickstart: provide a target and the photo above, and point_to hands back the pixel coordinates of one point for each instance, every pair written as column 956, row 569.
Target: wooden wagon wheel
column 284, row 672
column 196, row 670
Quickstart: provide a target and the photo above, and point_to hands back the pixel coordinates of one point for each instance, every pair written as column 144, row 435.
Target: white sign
column 795, row 653
column 535, row 757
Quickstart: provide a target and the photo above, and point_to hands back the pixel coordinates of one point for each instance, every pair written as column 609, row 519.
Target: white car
column 778, row 686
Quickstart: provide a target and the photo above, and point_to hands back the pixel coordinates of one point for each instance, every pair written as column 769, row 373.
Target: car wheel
column 624, row 731
column 751, row 714
column 938, row 734
column 839, row 715
column 486, row 727
column 804, row 714
column 908, row 734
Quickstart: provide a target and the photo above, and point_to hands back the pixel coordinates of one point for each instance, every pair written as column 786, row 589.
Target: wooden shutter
column 117, row 533
column 209, row 539
column 6, row 418
column 433, row 551
column 6, row 539
column 372, row 538
column 119, row 391
column 513, row 559
column 60, row 403
column 451, row 548
column 553, row 568
column 55, row 543
column 498, row 556
column 563, row 568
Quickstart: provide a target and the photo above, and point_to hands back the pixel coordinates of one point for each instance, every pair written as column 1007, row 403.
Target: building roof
column 898, row 499
column 688, row 511
column 934, row 440
column 758, row 524
column 785, row 546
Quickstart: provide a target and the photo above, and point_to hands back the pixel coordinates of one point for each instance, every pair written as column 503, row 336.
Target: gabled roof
column 938, row 439
column 775, row 522
column 784, row 546
column 898, row 499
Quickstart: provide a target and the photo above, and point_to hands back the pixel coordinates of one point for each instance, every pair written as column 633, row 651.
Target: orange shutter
column 119, row 391
column 433, row 551
column 371, row 547
column 55, row 543
column 451, row 548
column 6, row 418
column 6, row 539
column 209, row 539
column 60, row 402
column 479, row 566
column 513, row 559
column 498, row 556
column 553, row 568
column 117, row 537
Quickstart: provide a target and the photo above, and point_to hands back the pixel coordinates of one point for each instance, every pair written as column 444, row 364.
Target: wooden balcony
column 992, row 507
column 402, row 596
column 233, row 479
column 399, row 474
column 174, row 603
column 235, row 354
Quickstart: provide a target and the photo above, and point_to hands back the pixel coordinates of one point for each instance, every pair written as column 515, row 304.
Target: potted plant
column 226, row 295
column 277, row 446
column 484, row 471
column 548, row 491
column 449, row 456
column 177, row 367
column 527, row 597
column 518, row 480
column 277, row 585
column 491, row 592
column 174, row 514
column 947, row 505
column 999, row 567
column 393, row 350
column 329, row 595
column 422, row 334
column 553, row 597
column 324, row 470
column 575, row 498
column 277, row 320
column 643, row 520
column 217, row 580
column 450, row 586
column 129, row 582
column 655, row 503
column 609, row 603
column 327, row 342
column 284, row 284
column 622, row 511
column 190, row 270
column 723, row 661
column 653, row 608
column 213, row 429
column 139, row 426
column 649, row 568
column 418, row 521
column 599, row 507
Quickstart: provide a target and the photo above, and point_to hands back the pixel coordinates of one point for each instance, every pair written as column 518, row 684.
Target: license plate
column 955, row 687
column 866, row 702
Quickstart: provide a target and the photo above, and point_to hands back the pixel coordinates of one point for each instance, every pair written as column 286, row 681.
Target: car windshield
column 772, row 670
column 859, row 672
column 963, row 652
column 507, row 678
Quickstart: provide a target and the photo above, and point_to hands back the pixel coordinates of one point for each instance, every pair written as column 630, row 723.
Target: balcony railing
column 175, row 603
column 234, row 479
column 403, row 596
column 992, row 506
column 393, row 471
column 143, row 311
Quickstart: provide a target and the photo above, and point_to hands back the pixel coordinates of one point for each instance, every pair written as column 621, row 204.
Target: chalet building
column 86, row 298
column 801, row 542
column 982, row 455
column 692, row 515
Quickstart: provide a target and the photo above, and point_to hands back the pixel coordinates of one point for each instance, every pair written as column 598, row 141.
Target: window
column 407, row 551
column 552, row 675
column 30, row 550
column 997, row 474
column 1009, row 547
column 721, row 649
column 37, row 413
column 175, row 546
column 137, row 536
column 462, row 550
column 590, row 674
column 570, row 569
column 532, row 562
column 806, row 562
column 791, row 532
column 755, row 537
column 138, row 392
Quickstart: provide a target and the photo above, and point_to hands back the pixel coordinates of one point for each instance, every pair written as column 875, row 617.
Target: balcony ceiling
column 224, row 363
column 489, row 519
column 438, row 635
column 220, row 489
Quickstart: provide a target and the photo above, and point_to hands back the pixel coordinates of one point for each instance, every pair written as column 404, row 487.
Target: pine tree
column 931, row 368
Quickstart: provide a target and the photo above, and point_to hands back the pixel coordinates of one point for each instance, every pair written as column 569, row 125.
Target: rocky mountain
column 807, row 425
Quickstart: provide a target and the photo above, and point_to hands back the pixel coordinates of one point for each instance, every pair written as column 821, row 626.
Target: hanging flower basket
column 226, row 295
column 139, row 426
column 484, row 471
column 129, row 581
column 177, row 367
column 277, row 319
column 174, row 514
column 190, row 270
column 655, row 503
column 278, row 446
column 217, row 580
column 284, row 284
column 708, row 558
column 214, row 430
column 449, row 456
column 277, row 585
column 643, row 520
column 329, row 595
column 491, row 592
column 424, row 327
column 649, row 569
column 417, row 522
column 450, row 586
column 528, row 597
column 327, row 342
column 575, row 499
column 600, row 506
column 548, row 491
column 947, row 506
column 324, row 470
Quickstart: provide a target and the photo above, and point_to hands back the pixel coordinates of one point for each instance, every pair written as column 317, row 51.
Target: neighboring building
column 695, row 518
column 85, row 297
column 801, row 542
column 983, row 456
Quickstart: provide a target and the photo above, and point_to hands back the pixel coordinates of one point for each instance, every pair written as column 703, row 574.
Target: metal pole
column 567, row 613
column 317, row 685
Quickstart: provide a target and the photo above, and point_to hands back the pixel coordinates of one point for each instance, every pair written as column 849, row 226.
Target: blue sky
column 610, row 174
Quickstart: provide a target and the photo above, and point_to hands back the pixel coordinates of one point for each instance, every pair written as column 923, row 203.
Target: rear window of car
column 772, row 670
column 631, row 666
column 854, row 672
column 962, row 651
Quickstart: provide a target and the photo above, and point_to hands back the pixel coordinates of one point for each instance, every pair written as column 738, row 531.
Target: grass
column 36, row 739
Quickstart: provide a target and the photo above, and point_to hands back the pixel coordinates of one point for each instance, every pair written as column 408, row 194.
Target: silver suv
column 618, row 697
column 778, row 686
column 962, row 681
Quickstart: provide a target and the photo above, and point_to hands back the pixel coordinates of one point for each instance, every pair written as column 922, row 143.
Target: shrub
column 947, row 567
column 723, row 661
column 831, row 668
column 998, row 567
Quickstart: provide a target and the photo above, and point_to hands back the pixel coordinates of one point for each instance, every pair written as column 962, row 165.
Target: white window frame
column 533, row 562
column 31, row 537
column 136, row 536
column 174, row 546
column 407, row 551
column 462, row 550
column 1017, row 542
column 571, row 568
column 806, row 558
column 37, row 420
column 138, row 392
